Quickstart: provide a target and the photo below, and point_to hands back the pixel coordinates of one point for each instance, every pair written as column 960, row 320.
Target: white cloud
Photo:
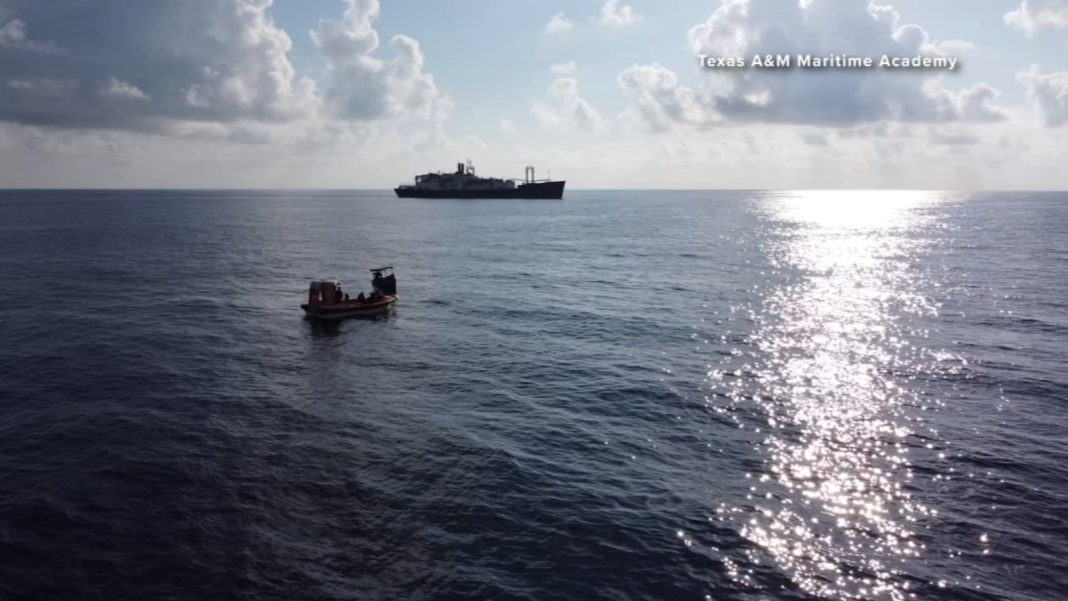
column 507, row 126
column 1049, row 93
column 659, row 100
column 951, row 47
column 563, row 69
column 1033, row 15
column 365, row 87
column 745, row 28
column 559, row 24
column 976, row 103
column 121, row 90
column 566, row 108
column 614, row 14
column 251, row 76
column 13, row 35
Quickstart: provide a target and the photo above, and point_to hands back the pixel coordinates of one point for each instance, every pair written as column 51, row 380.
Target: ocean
column 621, row 395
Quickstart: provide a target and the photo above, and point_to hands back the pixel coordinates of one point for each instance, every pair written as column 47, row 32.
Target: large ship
column 463, row 183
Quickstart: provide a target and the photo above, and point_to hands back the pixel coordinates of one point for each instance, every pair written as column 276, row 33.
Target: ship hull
column 541, row 190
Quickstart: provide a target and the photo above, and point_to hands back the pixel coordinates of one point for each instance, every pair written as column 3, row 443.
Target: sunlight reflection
column 833, row 510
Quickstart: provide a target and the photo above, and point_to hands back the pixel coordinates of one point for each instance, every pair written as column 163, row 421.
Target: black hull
column 544, row 190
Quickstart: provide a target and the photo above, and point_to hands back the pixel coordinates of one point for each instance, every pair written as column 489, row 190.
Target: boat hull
column 348, row 309
column 541, row 190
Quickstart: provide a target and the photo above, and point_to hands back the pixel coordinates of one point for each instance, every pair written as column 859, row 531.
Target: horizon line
column 390, row 190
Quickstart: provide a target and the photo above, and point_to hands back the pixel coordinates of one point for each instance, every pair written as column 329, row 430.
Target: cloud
column 364, row 87
column 559, row 24
column 13, row 35
column 976, row 103
column 745, row 28
column 659, row 101
column 172, row 67
column 881, row 129
column 507, row 126
column 565, row 107
column 563, row 69
column 951, row 47
column 1033, row 15
column 951, row 137
column 1049, row 93
column 813, row 138
column 614, row 14
column 43, row 88
column 218, row 61
column 116, row 88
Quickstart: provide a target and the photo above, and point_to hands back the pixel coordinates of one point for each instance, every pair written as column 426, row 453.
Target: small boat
column 327, row 300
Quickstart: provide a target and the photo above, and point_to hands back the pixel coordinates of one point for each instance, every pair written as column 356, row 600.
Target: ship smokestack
column 460, row 168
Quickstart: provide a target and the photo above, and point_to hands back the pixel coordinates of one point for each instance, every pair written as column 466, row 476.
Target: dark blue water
column 642, row 395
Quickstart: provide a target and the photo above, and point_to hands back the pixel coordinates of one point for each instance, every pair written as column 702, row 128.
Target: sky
column 602, row 93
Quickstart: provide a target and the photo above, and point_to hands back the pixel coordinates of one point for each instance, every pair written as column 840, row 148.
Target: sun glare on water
column 832, row 509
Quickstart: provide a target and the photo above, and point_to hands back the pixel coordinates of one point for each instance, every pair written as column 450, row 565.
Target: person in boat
column 346, row 296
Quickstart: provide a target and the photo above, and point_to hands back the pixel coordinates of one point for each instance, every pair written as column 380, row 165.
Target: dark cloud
column 135, row 65
column 157, row 65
